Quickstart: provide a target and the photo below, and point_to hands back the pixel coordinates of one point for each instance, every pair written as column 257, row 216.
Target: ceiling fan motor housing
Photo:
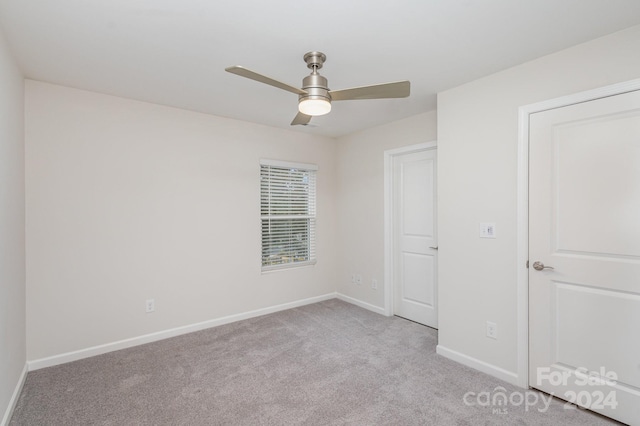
column 316, row 87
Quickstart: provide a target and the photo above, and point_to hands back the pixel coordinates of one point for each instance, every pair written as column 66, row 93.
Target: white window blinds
column 288, row 214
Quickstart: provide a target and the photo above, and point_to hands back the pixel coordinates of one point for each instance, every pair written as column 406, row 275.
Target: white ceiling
column 174, row 52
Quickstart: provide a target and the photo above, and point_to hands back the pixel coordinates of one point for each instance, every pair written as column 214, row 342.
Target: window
column 288, row 214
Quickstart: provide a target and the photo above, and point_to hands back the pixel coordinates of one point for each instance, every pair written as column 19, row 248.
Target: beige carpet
column 330, row 363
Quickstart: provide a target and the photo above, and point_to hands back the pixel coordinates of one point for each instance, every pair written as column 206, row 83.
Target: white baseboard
column 360, row 303
column 165, row 334
column 492, row 370
column 14, row 398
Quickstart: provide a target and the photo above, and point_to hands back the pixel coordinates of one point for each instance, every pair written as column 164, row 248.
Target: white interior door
column 415, row 250
column 584, row 222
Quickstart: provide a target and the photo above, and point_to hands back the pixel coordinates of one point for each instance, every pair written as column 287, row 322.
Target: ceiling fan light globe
column 314, row 107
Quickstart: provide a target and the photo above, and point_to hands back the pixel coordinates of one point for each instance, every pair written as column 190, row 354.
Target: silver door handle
column 539, row 266
column 435, row 248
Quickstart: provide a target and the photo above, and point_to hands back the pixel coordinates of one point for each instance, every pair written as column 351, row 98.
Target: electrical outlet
column 374, row 284
column 353, row 278
column 492, row 330
column 150, row 305
column 359, row 279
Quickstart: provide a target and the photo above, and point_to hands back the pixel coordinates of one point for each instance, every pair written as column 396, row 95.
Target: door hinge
column 527, row 264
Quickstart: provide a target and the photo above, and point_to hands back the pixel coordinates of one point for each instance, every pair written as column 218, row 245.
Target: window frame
column 310, row 216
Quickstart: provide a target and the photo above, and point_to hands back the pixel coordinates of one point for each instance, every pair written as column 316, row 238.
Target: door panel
column 597, row 159
column 578, row 328
column 584, row 210
column 418, row 200
column 418, row 278
column 414, row 204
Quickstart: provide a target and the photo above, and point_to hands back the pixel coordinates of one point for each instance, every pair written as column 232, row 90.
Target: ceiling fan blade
column 244, row 72
column 301, row 118
column 399, row 89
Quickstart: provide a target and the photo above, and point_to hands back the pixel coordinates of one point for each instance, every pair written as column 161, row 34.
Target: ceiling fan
column 314, row 98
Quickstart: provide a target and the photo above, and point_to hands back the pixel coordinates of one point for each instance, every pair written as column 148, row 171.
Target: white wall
column 128, row 201
column 477, row 147
column 12, row 243
column 361, row 201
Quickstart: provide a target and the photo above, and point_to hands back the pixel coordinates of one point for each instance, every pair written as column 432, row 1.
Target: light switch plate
column 487, row 230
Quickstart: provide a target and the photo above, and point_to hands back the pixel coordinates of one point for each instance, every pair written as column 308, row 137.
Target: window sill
column 284, row 267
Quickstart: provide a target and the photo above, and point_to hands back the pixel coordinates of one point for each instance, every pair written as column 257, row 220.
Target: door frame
column 523, row 207
column 388, row 217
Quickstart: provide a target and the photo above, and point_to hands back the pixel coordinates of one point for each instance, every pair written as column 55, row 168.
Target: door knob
column 539, row 266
